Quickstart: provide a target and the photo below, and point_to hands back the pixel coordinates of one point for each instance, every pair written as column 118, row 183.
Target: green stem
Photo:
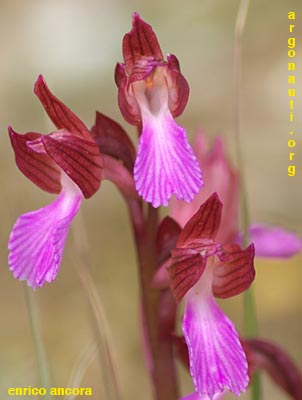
column 43, row 367
column 250, row 319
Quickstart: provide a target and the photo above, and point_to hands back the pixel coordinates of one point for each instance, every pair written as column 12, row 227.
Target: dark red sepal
column 80, row 159
column 61, row 116
column 140, row 42
column 185, row 270
column 167, row 234
column 112, row 140
column 37, row 167
column 127, row 102
column 204, row 223
column 262, row 354
column 178, row 87
column 166, row 239
column 236, row 271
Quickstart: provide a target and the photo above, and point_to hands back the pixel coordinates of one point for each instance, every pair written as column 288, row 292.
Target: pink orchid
column 66, row 162
column 151, row 93
column 199, row 269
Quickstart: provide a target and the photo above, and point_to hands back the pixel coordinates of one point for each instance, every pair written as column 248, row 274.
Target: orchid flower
column 199, row 269
column 66, row 162
column 221, row 177
column 151, row 93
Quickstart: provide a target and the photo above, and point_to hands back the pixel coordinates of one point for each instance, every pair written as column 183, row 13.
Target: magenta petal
column 196, row 396
column 217, row 360
column 274, row 242
column 165, row 162
column 193, row 396
column 37, row 240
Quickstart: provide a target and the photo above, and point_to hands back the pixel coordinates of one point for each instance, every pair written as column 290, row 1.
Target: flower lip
column 217, row 360
column 37, row 240
column 165, row 163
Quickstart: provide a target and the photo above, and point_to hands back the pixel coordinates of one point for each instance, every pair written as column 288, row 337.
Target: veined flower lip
column 37, row 240
column 165, row 164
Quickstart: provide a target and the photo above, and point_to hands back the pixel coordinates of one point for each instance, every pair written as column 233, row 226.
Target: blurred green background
column 75, row 44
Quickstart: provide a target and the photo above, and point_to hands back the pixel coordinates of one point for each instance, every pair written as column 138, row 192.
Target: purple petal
column 274, row 242
column 196, row 396
column 165, row 162
column 37, row 240
column 217, row 360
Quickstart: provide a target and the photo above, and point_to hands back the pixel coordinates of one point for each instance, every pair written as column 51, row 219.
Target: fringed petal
column 217, row 360
column 165, row 162
column 37, row 240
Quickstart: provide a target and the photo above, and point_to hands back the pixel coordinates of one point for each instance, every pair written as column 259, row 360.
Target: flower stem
column 250, row 319
column 43, row 367
column 159, row 351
